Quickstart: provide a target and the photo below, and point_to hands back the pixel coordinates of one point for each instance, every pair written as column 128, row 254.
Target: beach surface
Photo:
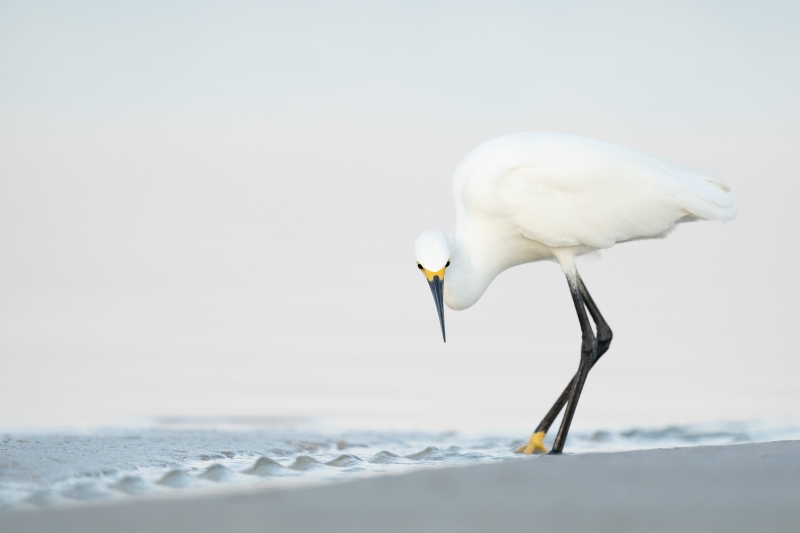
column 747, row 487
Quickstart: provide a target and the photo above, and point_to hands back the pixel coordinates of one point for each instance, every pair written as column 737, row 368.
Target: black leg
column 604, row 336
column 588, row 357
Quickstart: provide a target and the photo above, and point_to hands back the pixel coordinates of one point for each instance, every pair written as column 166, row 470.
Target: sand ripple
column 132, row 485
column 305, row 462
column 387, row 458
column 177, row 479
column 266, row 467
column 345, row 460
column 218, row 473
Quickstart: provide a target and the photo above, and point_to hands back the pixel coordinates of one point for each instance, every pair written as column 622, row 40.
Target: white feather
column 533, row 196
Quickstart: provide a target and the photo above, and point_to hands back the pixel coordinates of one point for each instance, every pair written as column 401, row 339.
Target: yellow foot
column 535, row 444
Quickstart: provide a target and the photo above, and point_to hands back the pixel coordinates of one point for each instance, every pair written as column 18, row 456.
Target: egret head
column 433, row 258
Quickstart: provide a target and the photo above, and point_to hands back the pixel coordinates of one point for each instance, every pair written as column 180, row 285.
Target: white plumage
column 537, row 196
column 532, row 196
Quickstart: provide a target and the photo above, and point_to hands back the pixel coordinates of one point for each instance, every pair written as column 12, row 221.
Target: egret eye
column 448, row 264
column 419, row 266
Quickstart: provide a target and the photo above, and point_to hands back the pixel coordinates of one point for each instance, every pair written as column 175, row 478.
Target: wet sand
column 748, row 487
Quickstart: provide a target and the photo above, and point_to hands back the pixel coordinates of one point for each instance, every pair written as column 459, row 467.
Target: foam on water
column 63, row 468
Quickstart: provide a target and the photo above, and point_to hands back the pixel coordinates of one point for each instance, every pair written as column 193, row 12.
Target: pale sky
column 210, row 208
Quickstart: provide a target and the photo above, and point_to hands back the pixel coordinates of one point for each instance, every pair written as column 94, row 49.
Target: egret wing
column 568, row 191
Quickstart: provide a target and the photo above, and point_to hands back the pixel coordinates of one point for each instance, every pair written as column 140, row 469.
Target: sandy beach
column 748, row 487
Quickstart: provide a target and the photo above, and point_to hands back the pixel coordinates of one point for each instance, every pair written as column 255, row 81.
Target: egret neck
column 468, row 278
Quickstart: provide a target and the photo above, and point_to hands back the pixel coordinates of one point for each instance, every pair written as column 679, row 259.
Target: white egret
column 542, row 196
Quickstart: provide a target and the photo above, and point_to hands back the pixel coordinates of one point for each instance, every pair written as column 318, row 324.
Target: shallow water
column 45, row 469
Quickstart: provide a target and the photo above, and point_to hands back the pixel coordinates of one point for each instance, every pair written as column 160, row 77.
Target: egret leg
column 588, row 355
column 604, row 336
column 604, row 333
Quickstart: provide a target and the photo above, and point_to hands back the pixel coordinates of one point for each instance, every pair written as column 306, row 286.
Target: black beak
column 437, row 287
